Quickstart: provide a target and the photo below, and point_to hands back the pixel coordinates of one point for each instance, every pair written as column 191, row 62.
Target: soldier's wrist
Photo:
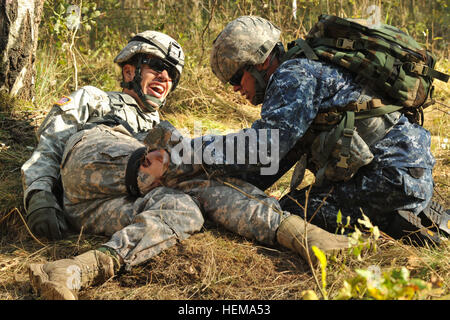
column 42, row 199
column 29, row 196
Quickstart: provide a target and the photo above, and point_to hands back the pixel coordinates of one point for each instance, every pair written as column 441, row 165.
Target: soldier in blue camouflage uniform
column 388, row 172
column 151, row 65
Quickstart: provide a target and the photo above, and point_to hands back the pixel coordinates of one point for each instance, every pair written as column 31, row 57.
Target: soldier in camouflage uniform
column 389, row 166
column 151, row 65
column 113, row 186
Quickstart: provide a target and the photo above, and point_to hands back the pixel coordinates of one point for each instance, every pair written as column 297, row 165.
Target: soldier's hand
column 45, row 218
column 163, row 136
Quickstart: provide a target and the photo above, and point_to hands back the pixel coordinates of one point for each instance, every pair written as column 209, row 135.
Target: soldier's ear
column 128, row 72
column 265, row 65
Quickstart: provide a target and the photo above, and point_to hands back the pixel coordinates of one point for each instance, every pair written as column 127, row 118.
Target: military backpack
column 384, row 59
column 388, row 59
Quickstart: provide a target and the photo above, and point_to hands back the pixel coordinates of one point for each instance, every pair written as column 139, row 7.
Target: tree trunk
column 19, row 24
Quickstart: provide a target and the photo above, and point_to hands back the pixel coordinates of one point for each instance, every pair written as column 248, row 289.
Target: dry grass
column 213, row 264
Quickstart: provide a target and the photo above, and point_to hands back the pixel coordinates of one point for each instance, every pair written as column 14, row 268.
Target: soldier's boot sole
column 426, row 227
column 49, row 290
column 438, row 216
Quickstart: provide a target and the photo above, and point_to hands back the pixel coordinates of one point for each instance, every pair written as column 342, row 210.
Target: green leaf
column 376, row 233
column 366, row 274
column 422, row 285
column 348, row 222
column 345, row 292
column 309, row 295
column 339, row 217
column 404, row 274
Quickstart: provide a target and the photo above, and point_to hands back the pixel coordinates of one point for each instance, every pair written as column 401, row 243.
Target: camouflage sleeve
column 67, row 116
column 288, row 110
column 296, row 92
column 290, row 105
column 164, row 135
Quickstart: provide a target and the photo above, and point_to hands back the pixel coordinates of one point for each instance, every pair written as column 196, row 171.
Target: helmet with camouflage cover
column 156, row 44
column 245, row 41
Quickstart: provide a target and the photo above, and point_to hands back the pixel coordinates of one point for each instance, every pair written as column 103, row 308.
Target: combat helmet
column 244, row 42
column 159, row 45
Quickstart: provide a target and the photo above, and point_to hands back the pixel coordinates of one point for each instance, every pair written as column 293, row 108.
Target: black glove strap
column 132, row 171
column 40, row 200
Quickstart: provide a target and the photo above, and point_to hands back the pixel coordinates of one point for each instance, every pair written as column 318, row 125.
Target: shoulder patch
column 64, row 100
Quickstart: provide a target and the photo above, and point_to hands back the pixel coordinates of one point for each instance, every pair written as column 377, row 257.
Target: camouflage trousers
column 376, row 192
column 143, row 227
column 96, row 199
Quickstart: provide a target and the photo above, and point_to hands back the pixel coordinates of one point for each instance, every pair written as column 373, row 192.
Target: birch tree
column 19, row 24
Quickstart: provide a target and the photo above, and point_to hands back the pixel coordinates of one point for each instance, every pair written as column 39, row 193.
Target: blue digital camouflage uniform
column 82, row 109
column 96, row 199
column 398, row 177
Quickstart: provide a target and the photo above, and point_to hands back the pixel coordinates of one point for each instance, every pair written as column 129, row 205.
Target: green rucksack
column 390, row 61
column 385, row 59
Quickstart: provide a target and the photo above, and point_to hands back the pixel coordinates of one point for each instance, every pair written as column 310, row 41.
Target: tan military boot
column 62, row 279
column 293, row 233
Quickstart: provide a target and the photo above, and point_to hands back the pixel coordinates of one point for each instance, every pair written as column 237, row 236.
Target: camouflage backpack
column 384, row 59
column 390, row 61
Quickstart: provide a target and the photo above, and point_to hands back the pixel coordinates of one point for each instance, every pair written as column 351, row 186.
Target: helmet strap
column 260, row 83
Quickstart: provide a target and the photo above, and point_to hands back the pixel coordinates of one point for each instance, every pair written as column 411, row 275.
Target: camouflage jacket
column 296, row 92
column 94, row 163
column 83, row 109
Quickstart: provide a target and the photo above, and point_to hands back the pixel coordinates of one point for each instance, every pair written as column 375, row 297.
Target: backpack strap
column 346, row 129
column 424, row 70
column 111, row 120
column 297, row 48
column 377, row 112
column 346, row 126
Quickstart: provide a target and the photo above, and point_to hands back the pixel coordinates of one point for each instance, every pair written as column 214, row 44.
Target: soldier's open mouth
column 156, row 90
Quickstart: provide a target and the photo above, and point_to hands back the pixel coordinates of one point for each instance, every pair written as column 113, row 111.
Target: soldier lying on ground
column 112, row 186
column 151, row 65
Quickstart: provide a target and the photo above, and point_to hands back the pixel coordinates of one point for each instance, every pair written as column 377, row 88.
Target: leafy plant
column 358, row 242
column 323, row 267
column 394, row 284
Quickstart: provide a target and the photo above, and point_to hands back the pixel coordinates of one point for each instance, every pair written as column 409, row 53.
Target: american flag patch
column 64, row 100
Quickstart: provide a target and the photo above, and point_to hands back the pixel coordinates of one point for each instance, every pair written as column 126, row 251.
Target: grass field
column 215, row 264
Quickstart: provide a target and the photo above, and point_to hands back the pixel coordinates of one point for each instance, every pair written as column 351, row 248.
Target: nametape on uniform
column 64, row 100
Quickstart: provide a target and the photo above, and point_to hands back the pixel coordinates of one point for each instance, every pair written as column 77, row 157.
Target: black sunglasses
column 160, row 65
column 237, row 77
